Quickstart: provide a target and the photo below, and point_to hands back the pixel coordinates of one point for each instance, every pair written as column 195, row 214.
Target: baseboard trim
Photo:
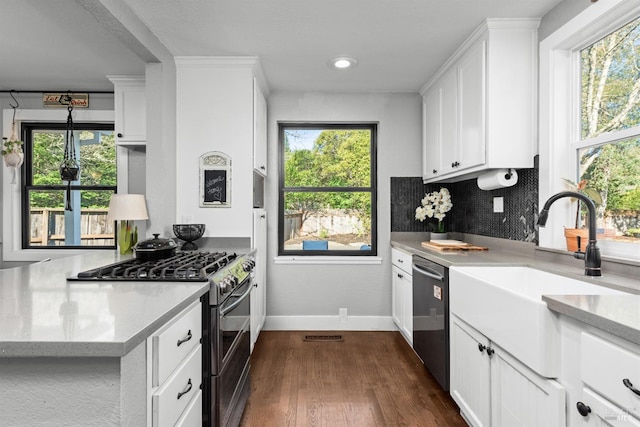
column 329, row 323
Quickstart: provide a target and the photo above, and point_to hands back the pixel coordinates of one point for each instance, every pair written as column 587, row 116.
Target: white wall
column 303, row 294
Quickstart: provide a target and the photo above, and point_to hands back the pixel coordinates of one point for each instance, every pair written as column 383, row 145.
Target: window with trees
column 327, row 200
column 46, row 223
column 590, row 125
column 608, row 147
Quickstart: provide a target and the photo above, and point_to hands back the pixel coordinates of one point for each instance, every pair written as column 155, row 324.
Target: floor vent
column 323, row 338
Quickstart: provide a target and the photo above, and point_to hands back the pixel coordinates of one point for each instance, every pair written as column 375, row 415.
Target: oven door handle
column 237, row 302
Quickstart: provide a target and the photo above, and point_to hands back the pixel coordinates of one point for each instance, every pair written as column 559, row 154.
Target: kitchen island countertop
column 43, row 314
column 616, row 314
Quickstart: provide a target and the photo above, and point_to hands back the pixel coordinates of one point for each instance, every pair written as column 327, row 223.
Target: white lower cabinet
column 174, row 365
column 402, row 293
column 492, row 388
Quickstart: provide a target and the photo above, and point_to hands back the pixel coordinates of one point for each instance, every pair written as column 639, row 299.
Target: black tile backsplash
column 472, row 210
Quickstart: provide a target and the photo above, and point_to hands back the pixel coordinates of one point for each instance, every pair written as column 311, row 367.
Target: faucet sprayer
column 591, row 254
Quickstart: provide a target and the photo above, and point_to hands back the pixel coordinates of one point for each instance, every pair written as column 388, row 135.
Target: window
column 590, row 124
column 608, row 164
column 46, row 224
column 327, row 203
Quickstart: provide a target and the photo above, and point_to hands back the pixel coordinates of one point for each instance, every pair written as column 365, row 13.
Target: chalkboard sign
column 215, row 186
column 215, row 180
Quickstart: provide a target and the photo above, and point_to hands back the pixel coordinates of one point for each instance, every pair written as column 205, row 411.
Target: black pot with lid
column 156, row 248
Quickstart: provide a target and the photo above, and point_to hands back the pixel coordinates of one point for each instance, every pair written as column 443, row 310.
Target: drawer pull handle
column 630, row 386
column 187, row 390
column 188, row 337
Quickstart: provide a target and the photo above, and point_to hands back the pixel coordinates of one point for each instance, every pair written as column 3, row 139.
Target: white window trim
column 11, row 217
column 559, row 100
column 327, row 260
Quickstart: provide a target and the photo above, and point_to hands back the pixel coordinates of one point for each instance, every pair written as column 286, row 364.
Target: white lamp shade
column 127, row 207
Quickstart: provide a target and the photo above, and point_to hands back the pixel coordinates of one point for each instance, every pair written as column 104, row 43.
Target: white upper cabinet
column 220, row 107
column 259, row 130
column 130, row 108
column 480, row 107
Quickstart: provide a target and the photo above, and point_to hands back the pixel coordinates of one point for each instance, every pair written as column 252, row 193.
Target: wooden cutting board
column 453, row 247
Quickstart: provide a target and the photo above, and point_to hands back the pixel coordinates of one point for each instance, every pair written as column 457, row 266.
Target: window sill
column 326, row 260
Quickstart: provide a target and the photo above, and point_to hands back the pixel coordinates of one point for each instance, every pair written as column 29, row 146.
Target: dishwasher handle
column 426, row 271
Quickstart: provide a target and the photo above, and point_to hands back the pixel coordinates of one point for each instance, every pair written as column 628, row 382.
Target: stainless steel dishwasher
column 431, row 317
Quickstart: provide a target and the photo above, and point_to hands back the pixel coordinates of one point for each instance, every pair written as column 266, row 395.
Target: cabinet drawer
column 606, row 367
column 173, row 397
column 604, row 413
column 174, row 341
column 401, row 259
column 192, row 416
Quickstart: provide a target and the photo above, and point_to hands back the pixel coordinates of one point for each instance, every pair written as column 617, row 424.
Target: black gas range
column 226, row 342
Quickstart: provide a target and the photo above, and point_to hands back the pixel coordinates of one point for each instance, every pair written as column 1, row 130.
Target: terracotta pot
column 571, row 236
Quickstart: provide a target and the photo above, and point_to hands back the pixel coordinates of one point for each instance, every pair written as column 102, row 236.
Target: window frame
column 560, row 112
column 12, row 195
column 372, row 189
column 27, row 129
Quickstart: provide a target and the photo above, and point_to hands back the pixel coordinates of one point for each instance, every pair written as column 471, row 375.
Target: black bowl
column 189, row 233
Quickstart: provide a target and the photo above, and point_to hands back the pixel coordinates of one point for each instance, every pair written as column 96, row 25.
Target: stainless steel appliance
column 431, row 317
column 225, row 320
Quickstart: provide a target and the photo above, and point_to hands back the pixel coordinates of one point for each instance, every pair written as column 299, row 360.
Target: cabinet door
column 397, row 303
column 431, row 128
column 259, row 130
column 471, row 98
column 520, row 397
column 259, row 293
column 130, row 107
column 470, row 373
column 449, row 122
column 407, row 307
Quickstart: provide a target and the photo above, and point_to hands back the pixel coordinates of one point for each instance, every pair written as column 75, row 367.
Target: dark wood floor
column 369, row 379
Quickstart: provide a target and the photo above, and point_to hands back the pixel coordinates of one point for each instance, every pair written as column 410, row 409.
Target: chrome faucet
column 591, row 254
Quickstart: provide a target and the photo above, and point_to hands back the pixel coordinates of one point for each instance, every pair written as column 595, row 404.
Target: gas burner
column 184, row 266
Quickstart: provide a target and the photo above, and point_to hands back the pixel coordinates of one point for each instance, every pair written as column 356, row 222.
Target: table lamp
column 127, row 208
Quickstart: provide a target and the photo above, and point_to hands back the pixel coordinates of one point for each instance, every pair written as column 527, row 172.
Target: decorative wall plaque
column 215, row 180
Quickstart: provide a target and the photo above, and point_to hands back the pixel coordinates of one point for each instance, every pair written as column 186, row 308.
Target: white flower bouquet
column 435, row 205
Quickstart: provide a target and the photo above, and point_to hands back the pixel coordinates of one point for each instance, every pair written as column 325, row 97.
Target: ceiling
column 61, row 45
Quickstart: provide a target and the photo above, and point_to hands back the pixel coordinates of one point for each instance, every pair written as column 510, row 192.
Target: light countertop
column 43, row 314
column 616, row 314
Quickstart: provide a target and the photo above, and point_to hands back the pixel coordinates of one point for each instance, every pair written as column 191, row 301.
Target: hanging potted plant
column 12, row 154
column 69, row 168
column 12, row 147
column 578, row 237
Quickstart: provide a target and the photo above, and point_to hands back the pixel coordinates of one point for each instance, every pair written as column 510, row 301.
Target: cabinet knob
column 490, row 351
column 400, row 276
column 630, row 386
column 119, row 135
column 583, row 409
column 481, row 347
column 434, row 171
column 453, row 165
column 263, row 167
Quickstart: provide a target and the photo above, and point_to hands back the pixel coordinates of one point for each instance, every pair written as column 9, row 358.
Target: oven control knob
column 226, row 285
column 247, row 266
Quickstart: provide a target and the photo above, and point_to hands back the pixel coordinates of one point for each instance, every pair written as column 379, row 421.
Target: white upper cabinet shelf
column 130, row 107
column 480, row 108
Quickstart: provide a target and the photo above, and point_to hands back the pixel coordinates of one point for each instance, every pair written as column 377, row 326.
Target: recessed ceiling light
column 343, row 63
